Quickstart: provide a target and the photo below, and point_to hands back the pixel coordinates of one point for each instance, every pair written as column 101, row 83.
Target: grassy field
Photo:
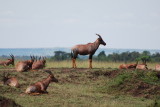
column 82, row 87
column 85, row 64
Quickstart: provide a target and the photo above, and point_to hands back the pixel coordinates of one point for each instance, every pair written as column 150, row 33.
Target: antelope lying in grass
column 142, row 66
column 11, row 81
column 23, row 66
column 87, row 49
column 8, row 61
column 128, row 66
column 157, row 67
column 39, row 64
column 41, row 86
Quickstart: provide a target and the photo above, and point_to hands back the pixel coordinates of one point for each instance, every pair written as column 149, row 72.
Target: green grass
column 76, row 88
column 85, row 64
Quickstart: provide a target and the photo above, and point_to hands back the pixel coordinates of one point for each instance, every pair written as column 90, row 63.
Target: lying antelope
column 142, row 66
column 87, row 49
column 41, row 86
column 157, row 67
column 128, row 66
column 23, row 66
column 11, row 81
column 8, row 61
column 39, row 64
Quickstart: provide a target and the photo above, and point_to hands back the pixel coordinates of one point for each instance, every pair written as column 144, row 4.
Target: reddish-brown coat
column 23, row 66
column 41, row 86
column 87, row 49
column 142, row 66
column 157, row 67
column 8, row 61
column 128, row 66
column 11, row 81
column 39, row 64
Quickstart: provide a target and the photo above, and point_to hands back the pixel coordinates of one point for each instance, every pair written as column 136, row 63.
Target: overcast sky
column 65, row 23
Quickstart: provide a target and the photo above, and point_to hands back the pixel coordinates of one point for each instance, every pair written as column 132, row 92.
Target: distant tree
column 114, row 57
column 60, row 55
column 101, row 56
column 145, row 59
column 146, row 53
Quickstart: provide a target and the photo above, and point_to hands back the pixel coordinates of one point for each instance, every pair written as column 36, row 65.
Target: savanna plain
column 103, row 86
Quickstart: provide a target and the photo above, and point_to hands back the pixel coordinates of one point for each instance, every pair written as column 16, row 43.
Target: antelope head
column 100, row 40
column 44, row 60
column 10, row 61
column 51, row 76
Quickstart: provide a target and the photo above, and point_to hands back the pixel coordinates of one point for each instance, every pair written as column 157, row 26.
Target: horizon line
column 70, row 47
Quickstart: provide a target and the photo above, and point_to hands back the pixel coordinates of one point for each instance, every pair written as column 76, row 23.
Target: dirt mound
column 4, row 102
column 136, row 83
column 110, row 74
column 140, row 89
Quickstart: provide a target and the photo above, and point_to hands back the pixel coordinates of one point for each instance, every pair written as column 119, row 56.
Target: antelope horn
column 36, row 58
column 33, row 57
column 30, row 56
column 40, row 58
column 98, row 35
column 12, row 56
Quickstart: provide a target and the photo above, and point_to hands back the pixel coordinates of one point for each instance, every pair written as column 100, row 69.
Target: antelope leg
column 75, row 66
column 72, row 62
column 90, row 63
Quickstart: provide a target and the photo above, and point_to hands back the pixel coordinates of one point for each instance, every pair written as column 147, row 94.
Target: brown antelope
column 157, row 67
column 87, row 49
column 11, row 81
column 39, row 64
column 128, row 66
column 142, row 66
column 23, row 66
column 41, row 86
column 8, row 61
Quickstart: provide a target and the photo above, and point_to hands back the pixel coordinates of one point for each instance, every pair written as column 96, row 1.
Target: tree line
column 114, row 57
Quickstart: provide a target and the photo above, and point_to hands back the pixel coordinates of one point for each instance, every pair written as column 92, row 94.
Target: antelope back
column 11, row 81
column 141, row 66
column 22, row 66
column 123, row 66
column 39, row 64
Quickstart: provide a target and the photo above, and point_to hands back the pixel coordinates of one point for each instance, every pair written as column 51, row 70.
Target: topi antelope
column 41, row 86
column 8, row 61
column 11, row 81
column 128, row 66
column 157, row 67
column 87, row 49
column 142, row 66
column 39, row 64
column 23, row 66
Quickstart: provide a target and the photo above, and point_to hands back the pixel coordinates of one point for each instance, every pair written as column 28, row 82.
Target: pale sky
column 64, row 23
